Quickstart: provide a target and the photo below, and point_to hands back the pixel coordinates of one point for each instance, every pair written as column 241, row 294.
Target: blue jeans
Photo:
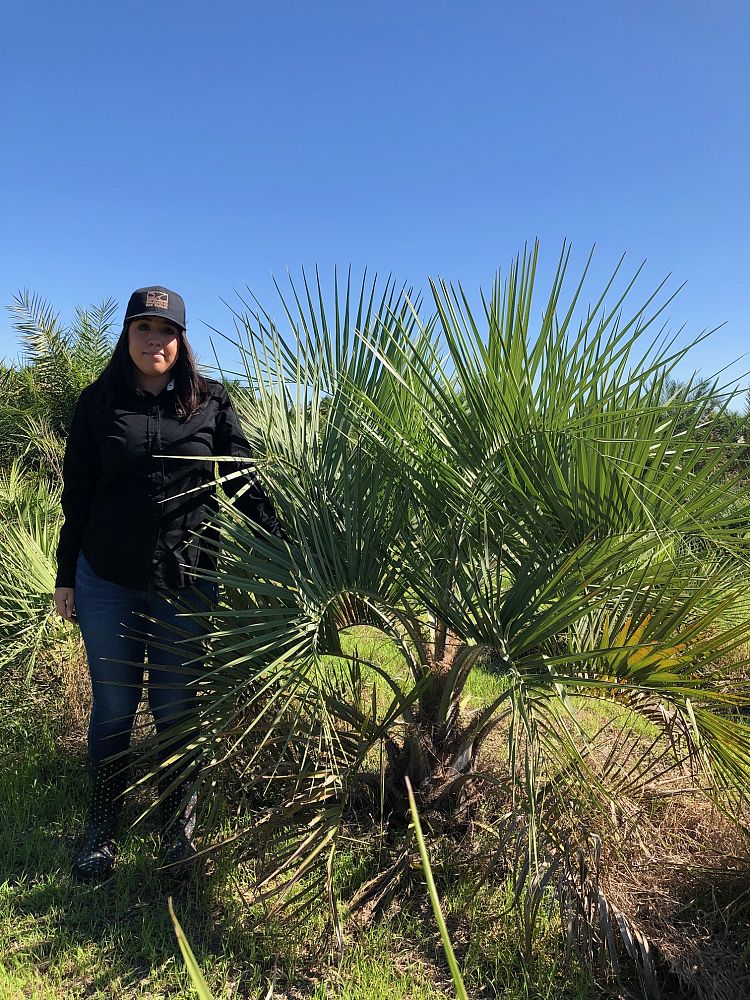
column 118, row 640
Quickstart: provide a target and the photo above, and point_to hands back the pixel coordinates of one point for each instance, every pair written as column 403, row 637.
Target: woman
column 131, row 539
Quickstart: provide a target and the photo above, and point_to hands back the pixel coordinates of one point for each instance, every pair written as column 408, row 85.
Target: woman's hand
column 65, row 603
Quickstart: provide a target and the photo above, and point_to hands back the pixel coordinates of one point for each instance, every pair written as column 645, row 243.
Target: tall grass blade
column 199, row 983
column 447, row 946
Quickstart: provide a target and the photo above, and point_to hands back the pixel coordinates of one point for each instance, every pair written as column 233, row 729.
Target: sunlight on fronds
column 30, row 628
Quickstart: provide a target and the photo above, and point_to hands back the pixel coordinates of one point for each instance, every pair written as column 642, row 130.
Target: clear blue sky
column 206, row 146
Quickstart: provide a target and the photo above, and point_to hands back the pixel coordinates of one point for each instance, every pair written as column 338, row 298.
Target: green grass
column 62, row 941
column 482, row 687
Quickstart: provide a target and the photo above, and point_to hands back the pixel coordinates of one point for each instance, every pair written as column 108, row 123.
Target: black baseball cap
column 155, row 300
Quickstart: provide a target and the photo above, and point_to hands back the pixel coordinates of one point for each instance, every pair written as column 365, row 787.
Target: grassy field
column 61, row 940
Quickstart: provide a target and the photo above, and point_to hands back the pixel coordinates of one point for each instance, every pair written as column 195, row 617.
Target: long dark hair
column 118, row 377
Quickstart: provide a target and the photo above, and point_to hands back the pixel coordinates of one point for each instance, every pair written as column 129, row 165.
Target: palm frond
column 465, row 481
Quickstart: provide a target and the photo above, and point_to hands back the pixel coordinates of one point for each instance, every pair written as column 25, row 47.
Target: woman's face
column 153, row 344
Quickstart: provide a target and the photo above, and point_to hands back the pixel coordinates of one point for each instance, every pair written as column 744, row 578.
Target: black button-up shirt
column 134, row 514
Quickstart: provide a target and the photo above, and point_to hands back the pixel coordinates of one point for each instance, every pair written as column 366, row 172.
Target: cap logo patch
column 157, row 300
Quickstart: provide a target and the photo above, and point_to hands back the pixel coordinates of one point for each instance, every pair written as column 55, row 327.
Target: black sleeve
column 249, row 496
column 81, row 471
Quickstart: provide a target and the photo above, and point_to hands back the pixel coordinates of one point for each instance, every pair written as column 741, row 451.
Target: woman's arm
column 81, row 469
column 250, row 497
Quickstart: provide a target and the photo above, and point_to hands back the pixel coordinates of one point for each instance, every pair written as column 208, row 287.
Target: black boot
column 97, row 855
column 177, row 829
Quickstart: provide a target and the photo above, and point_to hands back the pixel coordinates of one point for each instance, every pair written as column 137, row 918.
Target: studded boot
column 177, row 829
column 97, row 855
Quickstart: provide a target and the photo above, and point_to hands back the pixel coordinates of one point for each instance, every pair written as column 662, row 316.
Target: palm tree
column 37, row 396
column 32, row 634
column 504, row 481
